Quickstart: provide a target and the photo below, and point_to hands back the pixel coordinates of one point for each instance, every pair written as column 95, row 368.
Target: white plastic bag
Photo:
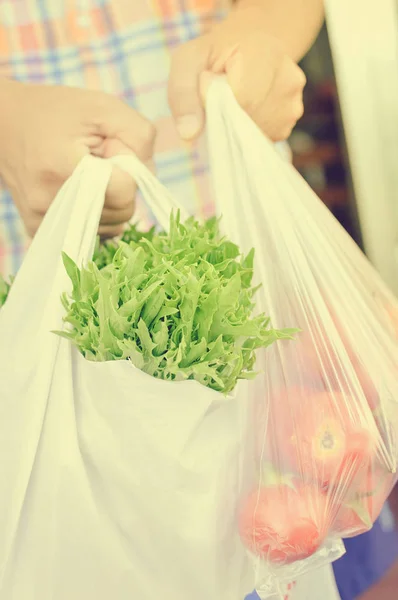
column 113, row 484
column 326, row 409
column 319, row 583
column 116, row 483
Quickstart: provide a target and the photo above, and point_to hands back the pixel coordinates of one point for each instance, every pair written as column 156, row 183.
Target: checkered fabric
column 118, row 46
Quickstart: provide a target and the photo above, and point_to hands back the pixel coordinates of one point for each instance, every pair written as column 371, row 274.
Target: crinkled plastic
column 326, row 408
column 117, row 484
column 113, row 484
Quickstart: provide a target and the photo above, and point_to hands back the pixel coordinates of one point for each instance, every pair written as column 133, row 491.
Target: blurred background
column 346, row 145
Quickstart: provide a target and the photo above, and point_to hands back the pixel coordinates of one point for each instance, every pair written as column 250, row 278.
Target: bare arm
column 296, row 23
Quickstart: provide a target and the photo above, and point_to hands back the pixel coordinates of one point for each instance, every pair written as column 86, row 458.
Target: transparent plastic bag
column 326, row 414
column 114, row 484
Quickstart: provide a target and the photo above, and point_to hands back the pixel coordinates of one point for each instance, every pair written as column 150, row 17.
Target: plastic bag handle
column 154, row 193
column 71, row 226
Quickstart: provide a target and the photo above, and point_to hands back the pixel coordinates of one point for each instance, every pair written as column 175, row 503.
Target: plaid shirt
column 118, row 46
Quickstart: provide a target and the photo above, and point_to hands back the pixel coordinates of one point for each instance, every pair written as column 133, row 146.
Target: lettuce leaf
column 178, row 305
column 4, row 290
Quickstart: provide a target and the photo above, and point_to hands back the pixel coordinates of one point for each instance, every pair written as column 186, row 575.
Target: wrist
column 6, row 88
column 295, row 24
column 8, row 92
column 261, row 16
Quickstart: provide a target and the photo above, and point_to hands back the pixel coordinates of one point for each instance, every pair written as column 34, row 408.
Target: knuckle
column 107, row 232
column 32, row 225
column 300, row 79
column 49, row 175
column 125, row 212
column 119, row 203
column 281, row 133
column 50, row 178
column 286, row 132
column 38, row 207
column 295, row 80
column 130, row 210
column 247, row 102
column 299, row 111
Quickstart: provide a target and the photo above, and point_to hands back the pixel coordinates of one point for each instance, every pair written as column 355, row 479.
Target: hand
column 267, row 83
column 46, row 130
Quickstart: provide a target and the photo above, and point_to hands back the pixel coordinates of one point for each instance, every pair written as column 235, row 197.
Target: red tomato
column 283, row 524
column 317, row 435
column 359, row 512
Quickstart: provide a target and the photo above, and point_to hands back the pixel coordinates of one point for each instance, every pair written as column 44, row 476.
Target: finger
column 276, row 112
column 299, row 81
column 188, row 62
column 298, row 109
column 289, row 80
column 277, row 122
column 107, row 232
column 280, row 132
column 120, row 195
column 32, row 223
column 117, row 217
column 122, row 123
column 265, row 92
column 250, row 78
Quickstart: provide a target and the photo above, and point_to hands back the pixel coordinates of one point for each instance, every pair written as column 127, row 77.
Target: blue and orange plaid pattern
column 118, row 46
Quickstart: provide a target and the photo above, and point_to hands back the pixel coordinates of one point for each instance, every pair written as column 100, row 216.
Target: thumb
column 188, row 63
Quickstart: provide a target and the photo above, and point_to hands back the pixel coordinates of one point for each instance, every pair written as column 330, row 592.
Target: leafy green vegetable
column 4, row 290
column 178, row 305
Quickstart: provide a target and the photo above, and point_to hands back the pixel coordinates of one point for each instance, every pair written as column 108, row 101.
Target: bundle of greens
column 178, row 305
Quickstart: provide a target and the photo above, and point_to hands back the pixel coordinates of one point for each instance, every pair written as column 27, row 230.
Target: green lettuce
column 178, row 305
column 4, row 290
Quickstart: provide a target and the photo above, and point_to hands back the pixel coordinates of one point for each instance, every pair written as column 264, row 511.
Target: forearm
column 7, row 118
column 296, row 23
column 7, row 88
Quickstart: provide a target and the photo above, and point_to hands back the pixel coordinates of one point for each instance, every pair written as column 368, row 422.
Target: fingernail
column 188, row 127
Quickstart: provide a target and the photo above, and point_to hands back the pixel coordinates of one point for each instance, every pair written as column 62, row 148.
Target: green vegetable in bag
column 178, row 305
column 4, row 290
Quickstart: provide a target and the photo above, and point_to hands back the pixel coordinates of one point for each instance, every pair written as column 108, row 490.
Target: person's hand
column 46, row 130
column 266, row 81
